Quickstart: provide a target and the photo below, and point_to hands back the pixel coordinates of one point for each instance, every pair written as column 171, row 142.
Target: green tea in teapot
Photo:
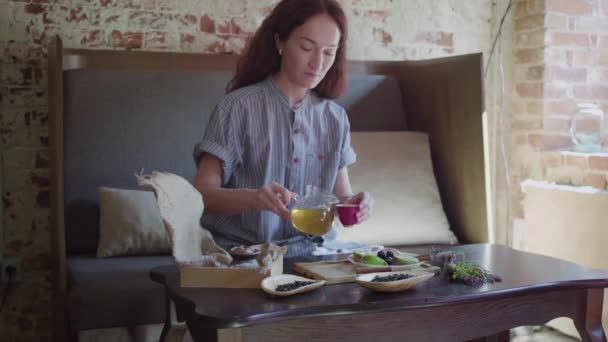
column 314, row 221
column 314, row 213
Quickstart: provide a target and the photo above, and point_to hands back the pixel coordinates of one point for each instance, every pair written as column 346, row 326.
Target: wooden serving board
column 339, row 271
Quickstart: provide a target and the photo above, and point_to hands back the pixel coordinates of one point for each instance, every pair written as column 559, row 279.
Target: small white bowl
column 365, row 280
column 270, row 284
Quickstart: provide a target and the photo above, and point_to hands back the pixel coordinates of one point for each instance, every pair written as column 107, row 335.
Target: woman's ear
column 278, row 44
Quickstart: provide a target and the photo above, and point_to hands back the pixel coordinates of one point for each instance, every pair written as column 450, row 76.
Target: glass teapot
column 587, row 128
column 314, row 213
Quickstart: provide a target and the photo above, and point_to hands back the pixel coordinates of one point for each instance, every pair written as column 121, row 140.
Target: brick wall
column 380, row 29
column 561, row 59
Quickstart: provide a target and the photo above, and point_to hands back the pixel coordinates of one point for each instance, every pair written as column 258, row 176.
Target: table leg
column 588, row 319
column 173, row 330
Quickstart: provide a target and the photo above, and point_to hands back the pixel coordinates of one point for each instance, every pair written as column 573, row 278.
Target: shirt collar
column 284, row 99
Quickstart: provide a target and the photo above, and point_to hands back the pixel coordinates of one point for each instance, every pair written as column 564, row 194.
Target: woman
column 277, row 130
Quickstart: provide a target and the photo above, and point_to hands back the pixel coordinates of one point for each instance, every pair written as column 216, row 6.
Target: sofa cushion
column 130, row 224
column 105, row 293
column 408, row 208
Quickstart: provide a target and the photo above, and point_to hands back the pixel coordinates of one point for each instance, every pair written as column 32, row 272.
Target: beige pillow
column 396, row 169
column 130, row 224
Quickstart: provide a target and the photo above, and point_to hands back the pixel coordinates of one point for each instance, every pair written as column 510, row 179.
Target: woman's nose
column 316, row 61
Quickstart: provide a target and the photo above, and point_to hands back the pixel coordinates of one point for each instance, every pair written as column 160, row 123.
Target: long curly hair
column 262, row 59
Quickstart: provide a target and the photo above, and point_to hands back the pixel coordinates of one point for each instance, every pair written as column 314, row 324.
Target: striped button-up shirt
column 260, row 138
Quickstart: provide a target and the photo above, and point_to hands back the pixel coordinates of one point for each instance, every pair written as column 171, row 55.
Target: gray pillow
column 130, row 224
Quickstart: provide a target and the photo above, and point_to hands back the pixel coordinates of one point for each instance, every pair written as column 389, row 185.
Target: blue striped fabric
column 260, row 138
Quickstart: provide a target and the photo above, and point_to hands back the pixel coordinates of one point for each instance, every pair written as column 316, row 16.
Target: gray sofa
column 118, row 123
column 114, row 114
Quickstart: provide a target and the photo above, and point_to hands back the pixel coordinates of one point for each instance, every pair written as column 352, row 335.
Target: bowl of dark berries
column 393, row 281
column 288, row 284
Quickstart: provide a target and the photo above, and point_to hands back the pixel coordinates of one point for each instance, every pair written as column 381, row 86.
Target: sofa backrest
column 119, row 123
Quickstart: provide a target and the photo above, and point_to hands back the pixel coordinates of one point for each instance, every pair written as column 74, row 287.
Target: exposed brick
column 42, row 161
column 590, row 24
column 39, row 181
column 563, row 107
column 521, row 139
column 547, row 141
column 128, row 40
column 35, row 8
column 437, row 38
column 43, row 199
column 557, row 73
column 223, row 26
column 556, row 22
column 379, row 15
column 570, row 7
column 556, row 124
column 534, row 90
column 532, row 22
column 93, row 38
column 555, row 56
column 596, row 57
column 552, row 91
column 580, row 161
column 530, row 38
column 598, row 162
column 568, row 39
column 207, row 24
column 599, row 91
column 535, row 107
column 157, row 40
column 528, row 7
column 552, row 159
column 595, row 180
column 526, row 122
column 382, row 36
column 529, row 55
column 535, row 73
column 146, row 20
column 583, row 92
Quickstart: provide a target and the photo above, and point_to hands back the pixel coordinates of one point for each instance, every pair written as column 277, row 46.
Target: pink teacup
column 347, row 214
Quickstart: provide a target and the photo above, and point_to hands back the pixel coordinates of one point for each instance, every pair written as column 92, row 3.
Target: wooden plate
column 365, row 280
column 270, row 284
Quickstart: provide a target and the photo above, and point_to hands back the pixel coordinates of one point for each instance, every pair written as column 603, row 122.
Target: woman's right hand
column 275, row 198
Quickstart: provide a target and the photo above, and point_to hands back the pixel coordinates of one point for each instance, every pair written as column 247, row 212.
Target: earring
column 280, row 52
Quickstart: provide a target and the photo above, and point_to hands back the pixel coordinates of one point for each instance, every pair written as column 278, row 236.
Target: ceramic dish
column 365, row 280
column 270, row 284
column 410, row 266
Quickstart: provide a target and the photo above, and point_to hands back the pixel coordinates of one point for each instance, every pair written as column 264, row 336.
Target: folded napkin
column 181, row 207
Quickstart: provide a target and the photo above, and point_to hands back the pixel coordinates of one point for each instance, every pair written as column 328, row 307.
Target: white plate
column 350, row 258
column 365, row 280
column 270, row 284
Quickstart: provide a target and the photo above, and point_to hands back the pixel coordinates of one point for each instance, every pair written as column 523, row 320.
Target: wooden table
column 534, row 290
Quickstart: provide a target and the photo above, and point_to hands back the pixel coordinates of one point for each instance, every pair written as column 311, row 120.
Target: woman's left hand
column 366, row 205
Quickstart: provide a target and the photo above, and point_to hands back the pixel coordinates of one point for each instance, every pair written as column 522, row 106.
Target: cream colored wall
column 380, row 29
column 567, row 222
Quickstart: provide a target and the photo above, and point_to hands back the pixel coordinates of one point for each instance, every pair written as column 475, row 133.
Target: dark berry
column 382, row 255
column 392, row 277
column 390, row 254
column 292, row 286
